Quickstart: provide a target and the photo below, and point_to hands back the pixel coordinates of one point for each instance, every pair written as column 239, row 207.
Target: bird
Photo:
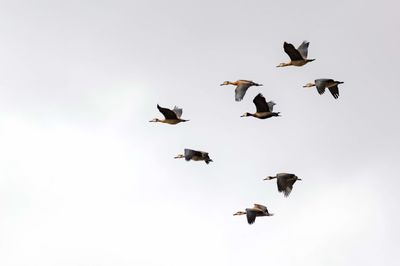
column 257, row 211
column 298, row 57
column 241, row 87
column 285, row 182
column 322, row 84
column 195, row 156
column 264, row 109
column 172, row 117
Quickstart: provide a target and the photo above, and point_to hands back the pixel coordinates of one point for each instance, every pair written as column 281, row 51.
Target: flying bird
column 322, row 84
column 285, row 182
column 298, row 57
column 195, row 156
column 241, row 87
column 257, row 211
column 172, row 117
column 264, row 109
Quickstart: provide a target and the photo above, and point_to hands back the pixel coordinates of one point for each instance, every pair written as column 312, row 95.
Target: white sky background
column 86, row 180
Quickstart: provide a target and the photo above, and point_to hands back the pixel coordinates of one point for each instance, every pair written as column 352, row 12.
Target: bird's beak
column 299, row 179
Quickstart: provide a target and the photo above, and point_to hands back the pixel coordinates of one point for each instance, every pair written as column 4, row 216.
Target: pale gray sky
column 86, row 180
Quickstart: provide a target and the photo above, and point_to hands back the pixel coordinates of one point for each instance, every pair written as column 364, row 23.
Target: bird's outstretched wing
column 251, row 216
column 260, row 207
column 189, row 154
column 240, row 90
column 178, row 111
column 321, row 85
column 261, row 103
column 167, row 113
column 334, row 91
column 271, row 105
column 285, row 183
column 303, row 49
column 292, row 52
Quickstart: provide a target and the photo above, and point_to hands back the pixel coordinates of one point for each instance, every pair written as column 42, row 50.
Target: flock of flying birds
column 264, row 110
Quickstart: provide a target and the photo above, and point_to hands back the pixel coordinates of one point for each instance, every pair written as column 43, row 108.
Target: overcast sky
column 85, row 179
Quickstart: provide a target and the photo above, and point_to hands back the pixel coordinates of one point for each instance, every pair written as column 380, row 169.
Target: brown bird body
column 172, row 117
column 257, row 211
column 241, row 87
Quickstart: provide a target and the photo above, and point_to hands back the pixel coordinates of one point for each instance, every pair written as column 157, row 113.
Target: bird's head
column 282, row 65
column 309, row 85
column 225, row 83
column 246, row 114
column 155, row 120
column 310, row 60
column 179, row 156
column 239, row 213
column 269, row 177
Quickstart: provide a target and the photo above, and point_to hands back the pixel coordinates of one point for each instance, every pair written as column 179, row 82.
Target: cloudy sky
column 86, row 180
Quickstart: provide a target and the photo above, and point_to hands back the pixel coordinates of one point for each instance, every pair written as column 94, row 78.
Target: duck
column 241, row 87
column 172, row 117
column 264, row 109
column 258, row 210
column 298, row 57
column 322, row 84
column 285, row 182
column 194, row 156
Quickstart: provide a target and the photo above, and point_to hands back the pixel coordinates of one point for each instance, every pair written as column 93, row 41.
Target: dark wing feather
column 167, row 113
column 189, row 154
column 261, row 103
column 292, row 52
column 251, row 216
column 321, row 85
column 334, row 91
column 285, row 183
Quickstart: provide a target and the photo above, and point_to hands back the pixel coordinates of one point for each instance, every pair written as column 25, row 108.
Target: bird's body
column 322, row 84
column 195, row 156
column 241, row 87
column 264, row 109
column 298, row 57
column 284, row 182
column 258, row 210
column 172, row 117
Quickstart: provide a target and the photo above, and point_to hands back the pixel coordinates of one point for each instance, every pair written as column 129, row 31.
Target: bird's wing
column 271, row 105
column 334, row 91
column 178, row 111
column 240, row 90
column 303, row 49
column 260, row 207
column 189, row 154
column 251, row 216
column 285, row 183
column 321, row 85
column 292, row 52
column 261, row 103
column 168, row 114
